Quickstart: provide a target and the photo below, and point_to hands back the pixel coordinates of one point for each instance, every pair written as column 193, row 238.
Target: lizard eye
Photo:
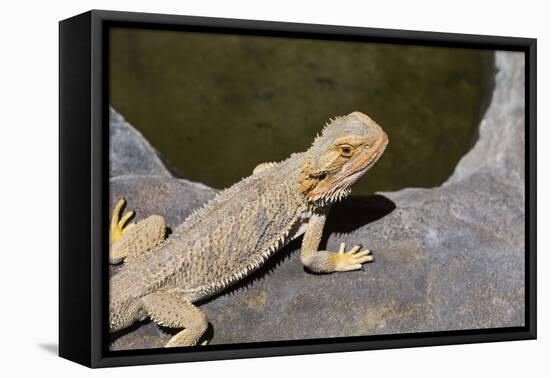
column 346, row 150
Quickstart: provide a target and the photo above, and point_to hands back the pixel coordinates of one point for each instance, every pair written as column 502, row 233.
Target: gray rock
column 172, row 198
column 129, row 152
column 447, row 258
column 501, row 146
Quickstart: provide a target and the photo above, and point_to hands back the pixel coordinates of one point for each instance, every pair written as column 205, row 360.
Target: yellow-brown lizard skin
column 237, row 231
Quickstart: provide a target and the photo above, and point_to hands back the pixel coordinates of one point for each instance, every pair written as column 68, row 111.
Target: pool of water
column 215, row 105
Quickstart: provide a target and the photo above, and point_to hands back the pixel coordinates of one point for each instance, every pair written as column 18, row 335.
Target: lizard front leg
column 135, row 239
column 327, row 261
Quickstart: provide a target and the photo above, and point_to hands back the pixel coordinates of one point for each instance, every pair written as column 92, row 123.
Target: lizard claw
column 118, row 225
column 352, row 260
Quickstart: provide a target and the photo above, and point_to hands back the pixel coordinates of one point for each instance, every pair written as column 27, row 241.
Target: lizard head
column 340, row 156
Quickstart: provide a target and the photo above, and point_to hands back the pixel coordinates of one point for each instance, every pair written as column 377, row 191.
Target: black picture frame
column 83, row 181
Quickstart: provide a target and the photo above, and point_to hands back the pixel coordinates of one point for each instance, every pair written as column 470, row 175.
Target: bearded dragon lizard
column 237, row 231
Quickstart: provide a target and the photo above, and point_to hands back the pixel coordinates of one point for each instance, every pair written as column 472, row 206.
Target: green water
column 215, row 106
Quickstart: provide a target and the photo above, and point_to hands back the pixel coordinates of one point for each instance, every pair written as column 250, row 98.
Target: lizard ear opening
column 319, row 175
column 310, row 178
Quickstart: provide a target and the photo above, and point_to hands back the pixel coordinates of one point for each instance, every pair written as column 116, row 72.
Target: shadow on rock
column 345, row 217
column 356, row 212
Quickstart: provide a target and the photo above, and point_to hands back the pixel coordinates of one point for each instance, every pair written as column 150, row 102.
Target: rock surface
column 129, row 152
column 447, row 258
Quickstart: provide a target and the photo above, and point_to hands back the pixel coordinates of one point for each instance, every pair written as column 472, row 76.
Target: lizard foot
column 184, row 338
column 118, row 225
column 352, row 260
column 128, row 241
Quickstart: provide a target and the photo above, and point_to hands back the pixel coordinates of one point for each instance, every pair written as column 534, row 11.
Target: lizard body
column 237, row 231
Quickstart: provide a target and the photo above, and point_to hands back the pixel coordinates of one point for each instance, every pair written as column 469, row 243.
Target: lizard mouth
column 378, row 153
column 363, row 166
